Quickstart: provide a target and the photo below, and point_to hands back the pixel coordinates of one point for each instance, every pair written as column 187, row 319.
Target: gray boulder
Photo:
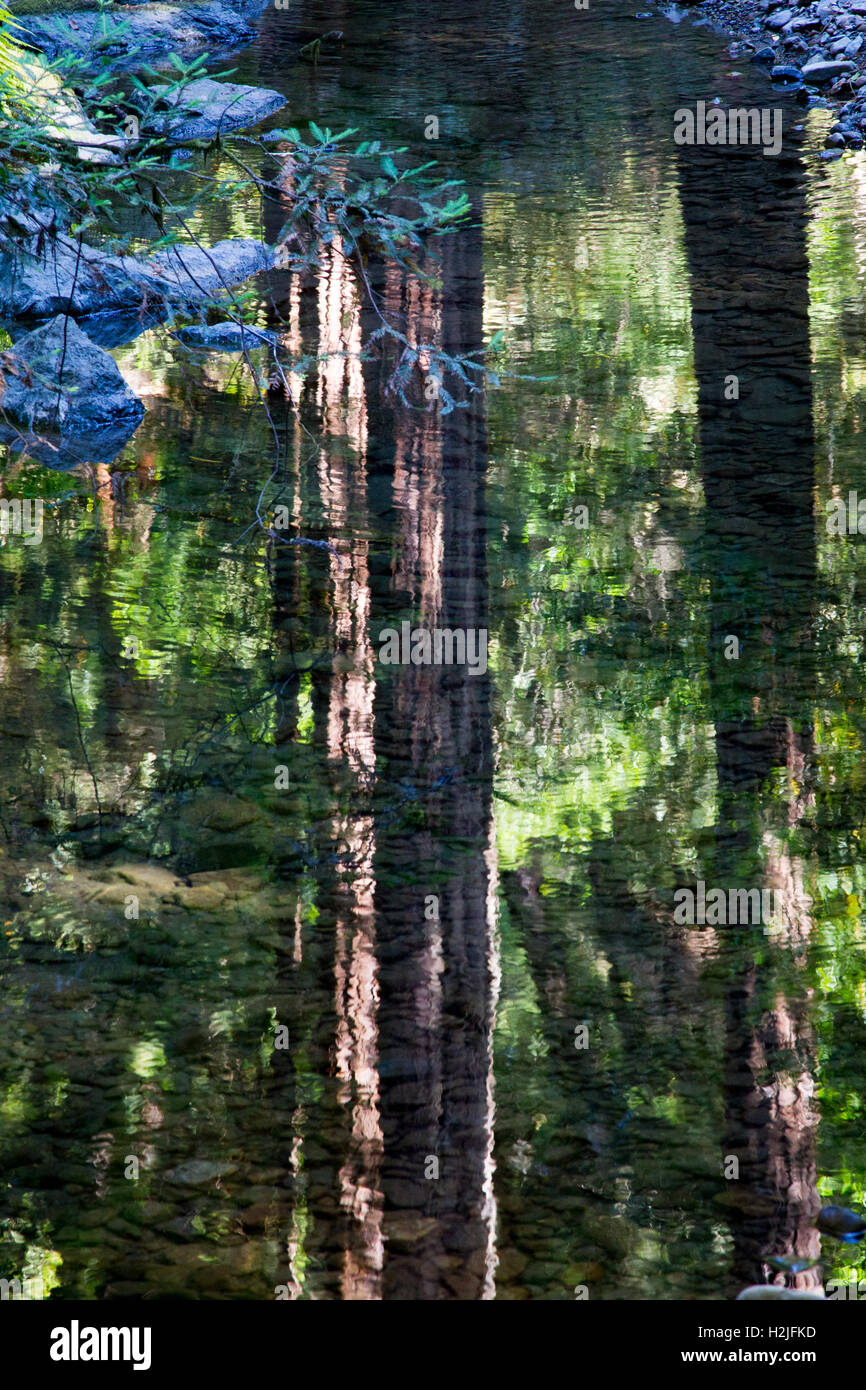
column 56, row 377
column 185, row 274
column 56, row 279
column 39, row 282
column 205, row 108
column 227, row 337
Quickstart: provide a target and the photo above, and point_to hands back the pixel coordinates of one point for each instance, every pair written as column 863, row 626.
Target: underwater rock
column 227, row 337
column 616, row 1234
column 65, row 452
column 198, row 1170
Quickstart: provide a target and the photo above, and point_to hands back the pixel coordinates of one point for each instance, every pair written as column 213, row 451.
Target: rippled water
column 503, row 1067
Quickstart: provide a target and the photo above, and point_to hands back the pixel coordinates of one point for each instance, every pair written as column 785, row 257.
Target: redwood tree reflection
column 749, row 283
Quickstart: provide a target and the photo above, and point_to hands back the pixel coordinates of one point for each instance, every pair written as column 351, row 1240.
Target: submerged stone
column 227, row 337
column 66, row 452
column 198, row 1170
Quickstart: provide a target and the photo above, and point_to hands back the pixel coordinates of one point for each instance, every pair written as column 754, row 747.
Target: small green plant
column 343, row 199
column 345, row 193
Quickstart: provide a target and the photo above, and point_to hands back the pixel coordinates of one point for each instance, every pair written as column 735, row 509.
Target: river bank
column 52, row 279
column 818, row 50
column 126, row 34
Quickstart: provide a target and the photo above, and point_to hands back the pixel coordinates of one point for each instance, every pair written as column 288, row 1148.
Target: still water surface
column 467, row 877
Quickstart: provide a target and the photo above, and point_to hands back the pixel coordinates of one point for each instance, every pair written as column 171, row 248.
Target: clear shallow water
column 613, row 526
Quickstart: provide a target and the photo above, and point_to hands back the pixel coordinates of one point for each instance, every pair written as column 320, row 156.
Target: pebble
column 779, row 19
column 818, row 72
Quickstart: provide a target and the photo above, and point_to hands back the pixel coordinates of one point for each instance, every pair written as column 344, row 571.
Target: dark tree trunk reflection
column 434, row 880
column 749, row 280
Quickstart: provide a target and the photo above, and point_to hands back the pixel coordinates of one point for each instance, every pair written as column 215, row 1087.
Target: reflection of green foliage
column 606, row 791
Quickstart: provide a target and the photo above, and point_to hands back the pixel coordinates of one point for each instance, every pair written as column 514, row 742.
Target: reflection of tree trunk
column 433, row 743
column 770, row 1129
column 745, row 237
column 407, row 1043
column 337, row 1183
column 343, row 483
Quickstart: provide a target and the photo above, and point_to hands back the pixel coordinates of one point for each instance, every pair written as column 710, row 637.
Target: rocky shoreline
column 129, row 34
column 816, row 51
column 64, row 304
